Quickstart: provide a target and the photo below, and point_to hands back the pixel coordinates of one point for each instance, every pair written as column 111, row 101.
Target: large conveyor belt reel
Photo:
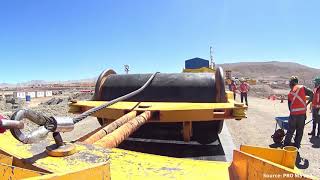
column 167, row 88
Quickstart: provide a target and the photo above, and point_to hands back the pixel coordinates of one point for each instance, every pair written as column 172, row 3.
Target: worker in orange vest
column 233, row 88
column 298, row 108
column 244, row 89
column 316, row 108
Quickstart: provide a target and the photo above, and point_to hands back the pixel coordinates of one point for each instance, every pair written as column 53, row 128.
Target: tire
column 206, row 132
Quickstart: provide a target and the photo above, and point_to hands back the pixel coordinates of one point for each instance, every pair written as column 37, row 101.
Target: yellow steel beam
column 199, row 70
column 167, row 111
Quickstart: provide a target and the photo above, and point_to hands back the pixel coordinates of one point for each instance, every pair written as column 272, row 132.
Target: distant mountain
column 6, row 85
column 272, row 70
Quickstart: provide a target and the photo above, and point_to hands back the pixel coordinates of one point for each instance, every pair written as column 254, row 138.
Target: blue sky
column 76, row 39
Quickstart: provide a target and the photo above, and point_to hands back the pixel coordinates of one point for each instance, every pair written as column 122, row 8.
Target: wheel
column 206, row 132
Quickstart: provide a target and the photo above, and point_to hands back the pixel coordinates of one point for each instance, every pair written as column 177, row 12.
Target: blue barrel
column 28, row 98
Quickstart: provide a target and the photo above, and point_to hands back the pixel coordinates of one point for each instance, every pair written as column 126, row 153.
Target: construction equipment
column 124, row 103
column 198, row 102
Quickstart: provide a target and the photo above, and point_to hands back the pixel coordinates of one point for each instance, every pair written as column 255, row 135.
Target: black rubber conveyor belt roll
column 175, row 87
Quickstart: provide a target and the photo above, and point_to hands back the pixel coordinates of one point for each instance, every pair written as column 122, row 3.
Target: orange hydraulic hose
column 113, row 139
column 110, row 128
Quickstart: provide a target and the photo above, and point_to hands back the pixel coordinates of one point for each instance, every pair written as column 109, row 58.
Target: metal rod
column 10, row 124
column 110, row 128
column 58, row 139
column 113, row 139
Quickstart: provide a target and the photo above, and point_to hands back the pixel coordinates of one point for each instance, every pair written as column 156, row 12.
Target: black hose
column 122, row 98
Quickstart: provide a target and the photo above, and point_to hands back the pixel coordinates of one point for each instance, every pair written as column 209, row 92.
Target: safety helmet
column 317, row 80
column 242, row 80
column 294, row 79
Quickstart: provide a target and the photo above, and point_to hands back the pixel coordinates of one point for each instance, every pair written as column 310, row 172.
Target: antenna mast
column 126, row 68
column 212, row 64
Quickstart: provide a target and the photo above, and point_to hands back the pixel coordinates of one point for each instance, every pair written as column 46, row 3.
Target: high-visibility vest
column 297, row 97
column 316, row 98
column 244, row 87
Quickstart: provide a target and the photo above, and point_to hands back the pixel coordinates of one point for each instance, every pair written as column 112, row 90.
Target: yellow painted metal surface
column 199, row 70
column 4, row 159
column 157, row 106
column 133, row 165
column 247, row 166
column 283, row 157
column 35, row 155
column 168, row 111
column 92, row 162
column 244, row 166
column 12, row 172
column 99, row 172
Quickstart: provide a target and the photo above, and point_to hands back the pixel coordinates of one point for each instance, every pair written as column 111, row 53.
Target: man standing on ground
column 298, row 108
column 244, row 89
column 233, row 88
column 316, row 108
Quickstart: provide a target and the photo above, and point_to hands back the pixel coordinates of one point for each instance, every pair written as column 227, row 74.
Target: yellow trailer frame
column 166, row 111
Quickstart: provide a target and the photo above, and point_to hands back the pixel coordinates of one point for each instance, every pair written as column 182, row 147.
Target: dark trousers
column 296, row 124
column 316, row 120
column 245, row 96
column 234, row 95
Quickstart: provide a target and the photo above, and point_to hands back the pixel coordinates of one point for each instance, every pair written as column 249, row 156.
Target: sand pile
column 261, row 90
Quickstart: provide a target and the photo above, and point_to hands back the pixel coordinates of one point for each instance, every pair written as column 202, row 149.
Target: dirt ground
column 260, row 125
